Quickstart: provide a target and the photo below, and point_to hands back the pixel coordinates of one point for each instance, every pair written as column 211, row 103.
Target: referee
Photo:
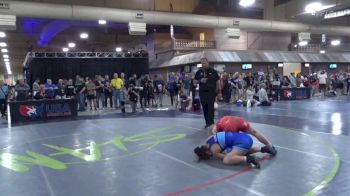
column 207, row 79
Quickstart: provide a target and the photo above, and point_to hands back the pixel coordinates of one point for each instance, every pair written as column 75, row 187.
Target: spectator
column 172, row 87
column 193, row 88
column 91, row 93
column 292, row 80
column 144, row 91
column 187, row 84
column 250, row 96
column 299, row 80
column 225, row 88
column 80, row 91
column 150, row 94
column 108, row 91
column 4, row 90
column 285, row 82
column 70, row 90
column 21, row 90
column 263, row 98
column 159, row 86
column 184, row 102
column 100, row 95
column 50, row 89
column 61, row 87
column 322, row 80
column 133, row 96
column 36, row 86
column 117, row 84
column 40, row 94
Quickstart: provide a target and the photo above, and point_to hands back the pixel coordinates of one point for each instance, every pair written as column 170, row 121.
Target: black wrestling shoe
column 271, row 150
column 251, row 159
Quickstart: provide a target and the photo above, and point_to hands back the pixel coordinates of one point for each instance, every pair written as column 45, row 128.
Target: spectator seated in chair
column 41, row 93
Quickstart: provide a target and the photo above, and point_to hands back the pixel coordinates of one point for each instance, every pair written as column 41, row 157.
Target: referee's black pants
column 207, row 101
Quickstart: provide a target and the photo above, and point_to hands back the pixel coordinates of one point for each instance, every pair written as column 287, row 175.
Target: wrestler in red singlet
column 232, row 124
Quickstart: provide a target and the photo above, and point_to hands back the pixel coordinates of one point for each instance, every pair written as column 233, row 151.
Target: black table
column 291, row 93
column 41, row 110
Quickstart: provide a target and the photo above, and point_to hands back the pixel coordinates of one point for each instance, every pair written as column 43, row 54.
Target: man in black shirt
column 207, row 79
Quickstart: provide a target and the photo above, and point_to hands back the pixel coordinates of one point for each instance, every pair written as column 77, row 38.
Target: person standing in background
column 91, row 93
column 3, row 96
column 322, row 80
column 107, row 91
column 36, row 86
column 117, row 84
column 187, row 84
column 207, row 78
column 292, row 79
column 99, row 91
column 80, row 88
column 70, row 90
column 159, row 85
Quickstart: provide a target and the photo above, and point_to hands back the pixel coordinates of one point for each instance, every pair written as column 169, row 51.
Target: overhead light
column 7, row 60
column 337, row 14
column 65, row 49
column 3, row 44
column 118, row 49
column 71, row 45
column 335, row 42
column 303, row 43
column 2, row 34
column 5, row 56
column 84, row 35
column 4, row 50
column 102, row 22
column 322, row 51
column 7, row 63
column 295, row 45
column 280, row 64
column 314, row 7
column 8, row 69
column 199, row 65
column 307, row 64
column 246, row 3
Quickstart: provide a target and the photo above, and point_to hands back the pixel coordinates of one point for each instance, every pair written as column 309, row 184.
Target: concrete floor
column 151, row 153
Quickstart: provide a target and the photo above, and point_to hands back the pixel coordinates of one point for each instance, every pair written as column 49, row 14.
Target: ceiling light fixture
column 65, row 49
column 3, row 44
column 4, row 50
column 307, row 64
column 5, row 56
column 7, row 60
column 118, row 49
column 71, row 45
column 102, row 22
column 335, row 42
column 322, row 51
column 2, row 34
column 314, row 7
column 246, row 3
column 303, row 43
column 84, row 35
column 8, row 69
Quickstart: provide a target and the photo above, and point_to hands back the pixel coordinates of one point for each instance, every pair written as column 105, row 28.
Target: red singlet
column 232, row 124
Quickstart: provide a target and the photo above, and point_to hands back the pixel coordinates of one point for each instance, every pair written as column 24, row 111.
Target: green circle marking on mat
column 330, row 177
